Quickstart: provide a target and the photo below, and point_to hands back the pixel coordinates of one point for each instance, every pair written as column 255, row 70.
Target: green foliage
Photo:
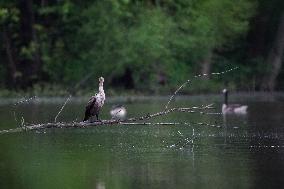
column 152, row 39
column 147, row 50
column 212, row 24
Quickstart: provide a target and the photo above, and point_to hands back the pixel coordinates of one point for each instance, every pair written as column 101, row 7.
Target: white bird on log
column 96, row 102
column 118, row 112
column 232, row 108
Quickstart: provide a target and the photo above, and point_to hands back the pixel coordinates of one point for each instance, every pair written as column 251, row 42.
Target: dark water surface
column 241, row 152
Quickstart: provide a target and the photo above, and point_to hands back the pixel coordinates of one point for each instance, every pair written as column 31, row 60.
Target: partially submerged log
column 129, row 121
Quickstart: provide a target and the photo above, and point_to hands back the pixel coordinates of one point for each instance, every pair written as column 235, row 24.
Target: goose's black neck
column 226, row 97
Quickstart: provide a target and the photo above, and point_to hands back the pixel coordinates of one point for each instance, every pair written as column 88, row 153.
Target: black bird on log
column 96, row 102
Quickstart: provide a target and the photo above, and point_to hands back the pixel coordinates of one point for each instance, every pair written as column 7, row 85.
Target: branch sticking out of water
column 25, row 100
column 15, row 105
column 189, row 110
column 196, row 76
column 62, row 107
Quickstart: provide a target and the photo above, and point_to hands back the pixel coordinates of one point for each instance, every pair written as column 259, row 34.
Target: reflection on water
column 245, row 152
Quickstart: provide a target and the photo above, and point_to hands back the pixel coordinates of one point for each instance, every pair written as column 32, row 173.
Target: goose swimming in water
column 96, row 102
column 118, row 112
column 232, row 108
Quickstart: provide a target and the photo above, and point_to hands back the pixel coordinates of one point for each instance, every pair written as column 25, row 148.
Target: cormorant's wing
column 89, row 107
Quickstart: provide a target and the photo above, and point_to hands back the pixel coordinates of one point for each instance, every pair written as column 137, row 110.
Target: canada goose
column 118, row 112
column 96, row 102
column 232, row 108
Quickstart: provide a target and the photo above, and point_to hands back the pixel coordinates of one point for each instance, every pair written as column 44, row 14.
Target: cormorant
column 96, row 102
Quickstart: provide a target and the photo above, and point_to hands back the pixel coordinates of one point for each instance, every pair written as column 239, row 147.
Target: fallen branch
column 130, row 121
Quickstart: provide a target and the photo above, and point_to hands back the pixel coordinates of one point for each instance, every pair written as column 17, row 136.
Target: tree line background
column 141, row 45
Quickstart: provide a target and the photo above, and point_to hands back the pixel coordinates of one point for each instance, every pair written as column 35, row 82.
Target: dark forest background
column 140, row 45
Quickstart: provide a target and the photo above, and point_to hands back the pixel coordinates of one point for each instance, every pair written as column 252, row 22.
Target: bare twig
column 23, row 122
column 15, row 105
column 15, row 117
column 189, row 110
column 188, row 81
column 171, row 98
column 25, row 100
column 62, row 107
